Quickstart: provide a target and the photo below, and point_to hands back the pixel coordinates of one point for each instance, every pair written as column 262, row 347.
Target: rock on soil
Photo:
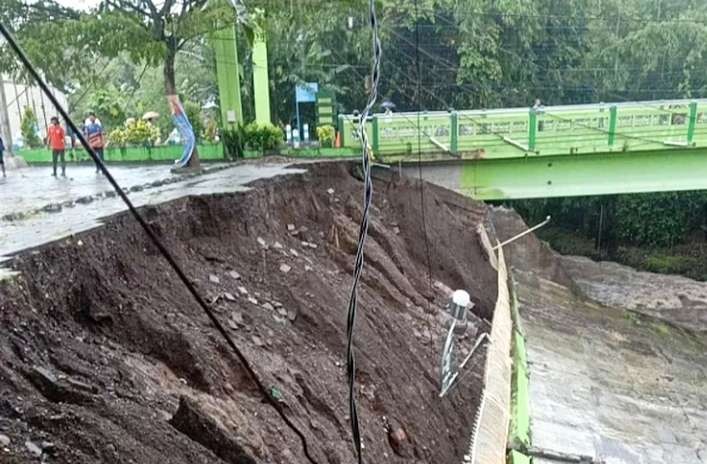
column 105, row 355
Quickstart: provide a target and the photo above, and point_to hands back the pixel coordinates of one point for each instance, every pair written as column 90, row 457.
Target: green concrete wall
column 212, row 152
column 519, row 436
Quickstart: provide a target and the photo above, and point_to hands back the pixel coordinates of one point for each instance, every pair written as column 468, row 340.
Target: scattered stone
column 4, row 440
column 262, row 243
column 243, row 290
column 84, row 200
column 417, row 333
column 277, row 304
column 307, row 267
column 293, row 252
column 398, row 440
column 396, row 230
column 214, row 279
column 48, row 447
column 237, row 318
column 33, row 448
column 252, row 300
column 282, row 312
column 268, row 306
column 229, row 296
column 278, row 246
column 79, row 385
column 285, row 268
column 52, row 208
column 291, row 315
column 257, row 341
column 234, row 275
column 198, row 424
column 290, row 227
column 330, row 191
column 79, row 243
column 232, row 324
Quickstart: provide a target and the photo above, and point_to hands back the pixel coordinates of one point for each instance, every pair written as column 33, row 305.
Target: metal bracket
column 449, row 379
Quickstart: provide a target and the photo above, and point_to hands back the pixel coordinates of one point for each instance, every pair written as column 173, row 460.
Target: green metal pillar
column 454, row 133
column 532, row 129
column 612, row 125
column 376, row 135
column 261, row 81
column 691, row 122
column 228, row 75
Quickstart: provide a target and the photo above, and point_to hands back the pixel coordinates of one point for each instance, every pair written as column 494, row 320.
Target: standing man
column 96, row 139
column 55, row 141
column 2, row 159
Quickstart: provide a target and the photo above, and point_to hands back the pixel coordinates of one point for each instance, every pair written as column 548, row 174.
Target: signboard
column 306, row 93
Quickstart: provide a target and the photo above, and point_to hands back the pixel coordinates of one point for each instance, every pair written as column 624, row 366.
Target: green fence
column 520, row 132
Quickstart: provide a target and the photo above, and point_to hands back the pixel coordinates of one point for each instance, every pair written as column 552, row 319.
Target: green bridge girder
column 549, row 151
column 564, row 176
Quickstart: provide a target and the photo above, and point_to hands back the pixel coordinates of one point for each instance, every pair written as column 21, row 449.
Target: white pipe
column 522, row 234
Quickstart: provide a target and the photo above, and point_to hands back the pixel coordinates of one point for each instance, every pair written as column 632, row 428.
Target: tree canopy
column 480, row 54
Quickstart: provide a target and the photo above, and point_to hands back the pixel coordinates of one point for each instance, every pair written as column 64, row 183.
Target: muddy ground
column 105, row 358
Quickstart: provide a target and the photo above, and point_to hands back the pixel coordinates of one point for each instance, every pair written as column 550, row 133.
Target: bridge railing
column 518, row 132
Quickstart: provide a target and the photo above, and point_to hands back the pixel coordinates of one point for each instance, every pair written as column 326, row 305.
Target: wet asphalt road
column 36, row 208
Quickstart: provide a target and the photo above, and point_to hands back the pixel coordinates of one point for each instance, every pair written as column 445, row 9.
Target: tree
column 147, row 32
column 28, row 128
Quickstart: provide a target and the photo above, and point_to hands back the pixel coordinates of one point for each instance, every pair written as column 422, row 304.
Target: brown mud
column 105, row 358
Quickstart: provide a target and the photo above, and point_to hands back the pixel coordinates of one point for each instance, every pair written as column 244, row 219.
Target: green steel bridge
column 553, row 151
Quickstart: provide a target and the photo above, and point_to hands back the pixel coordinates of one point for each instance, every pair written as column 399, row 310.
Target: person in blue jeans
column 95, row 136
column 2, row 157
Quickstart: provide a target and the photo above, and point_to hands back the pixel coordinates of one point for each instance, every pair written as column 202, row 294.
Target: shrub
column 326, row 135
column 193, row 112
column 263, row 137
column 118, row 137
column 211, row 130
column 135, row 132
column 28, row 128
column 234, row 142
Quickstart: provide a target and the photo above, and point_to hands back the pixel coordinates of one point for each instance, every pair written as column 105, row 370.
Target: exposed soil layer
column 105, row 358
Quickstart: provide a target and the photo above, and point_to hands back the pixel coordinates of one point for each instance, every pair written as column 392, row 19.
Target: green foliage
column 651, row 219
column 135, row 132
column 263, row 137
column 28, row 128
column 326, row 135
column 234, row 142
column 193, row 111
column 211, row 130
column 657, row 219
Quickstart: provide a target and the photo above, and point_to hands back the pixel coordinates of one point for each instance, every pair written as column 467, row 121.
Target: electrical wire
column 155, row 240
column 363, row 229
column 418, row 66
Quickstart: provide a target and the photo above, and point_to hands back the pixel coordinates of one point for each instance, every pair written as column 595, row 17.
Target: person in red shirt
column 55, row 141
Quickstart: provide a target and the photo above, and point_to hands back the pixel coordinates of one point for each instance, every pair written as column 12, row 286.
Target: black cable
column 155, row 240
column 363, row 230
column 418, row 66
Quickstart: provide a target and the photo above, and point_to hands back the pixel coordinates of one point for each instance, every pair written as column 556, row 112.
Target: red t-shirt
column 55, row 137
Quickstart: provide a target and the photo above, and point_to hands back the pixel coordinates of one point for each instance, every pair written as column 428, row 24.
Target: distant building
column 14, row 98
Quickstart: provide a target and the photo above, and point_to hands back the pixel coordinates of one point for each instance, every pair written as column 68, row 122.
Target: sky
column 79, row 4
